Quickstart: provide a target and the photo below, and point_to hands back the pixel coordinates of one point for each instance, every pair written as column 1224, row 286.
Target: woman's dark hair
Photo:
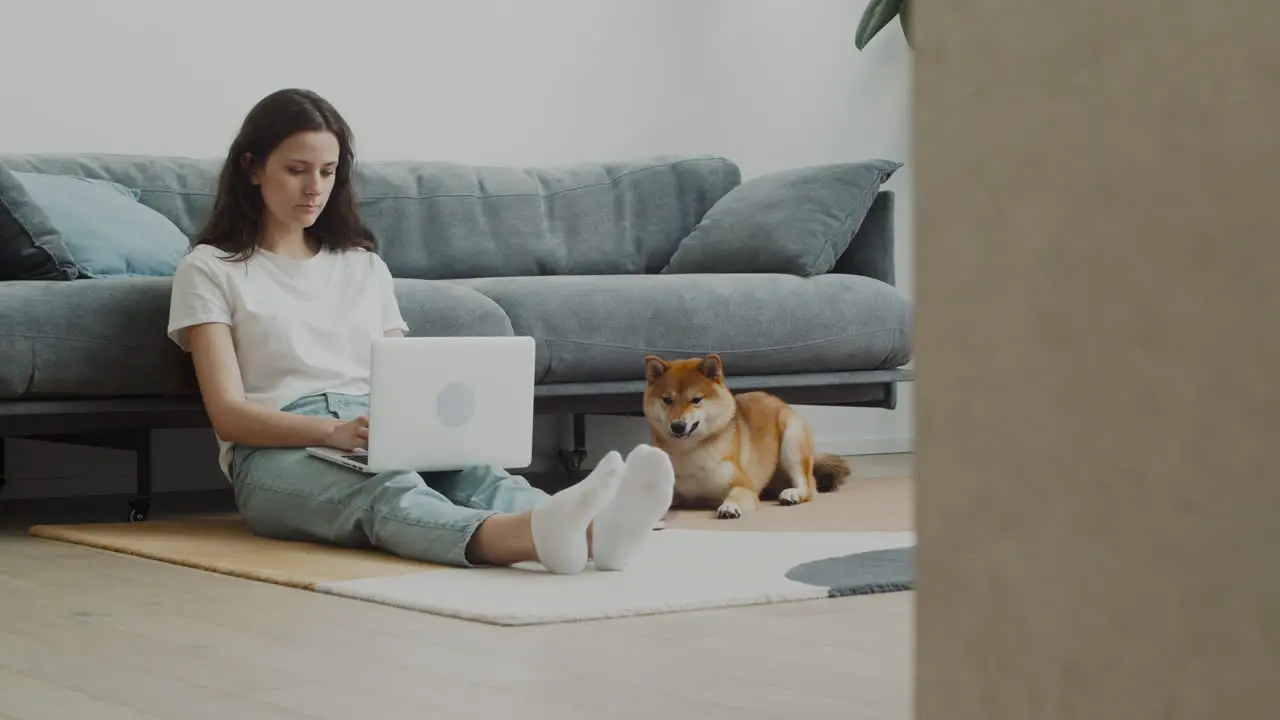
column 235, row 224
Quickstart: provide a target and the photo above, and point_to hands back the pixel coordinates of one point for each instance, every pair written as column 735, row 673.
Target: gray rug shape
column 868, row 573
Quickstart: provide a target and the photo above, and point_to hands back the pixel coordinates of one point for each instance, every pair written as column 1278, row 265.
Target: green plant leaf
column 904, row 17
column 877, row 14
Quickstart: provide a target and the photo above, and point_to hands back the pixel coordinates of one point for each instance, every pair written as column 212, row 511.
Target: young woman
column 278, row 303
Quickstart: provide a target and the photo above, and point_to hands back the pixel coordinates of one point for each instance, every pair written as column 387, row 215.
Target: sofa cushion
column 107, row 337
column 104, row 228
column 181, row 189
column 600, row 328
column 30, row 246
column 104, row 337
column 432, row 307
column 437, row 220
column 797, row 221
column 445, row 220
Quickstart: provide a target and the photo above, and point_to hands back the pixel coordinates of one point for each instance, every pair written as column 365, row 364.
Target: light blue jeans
column 286, row 493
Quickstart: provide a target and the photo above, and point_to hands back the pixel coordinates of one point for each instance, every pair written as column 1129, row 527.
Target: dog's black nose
column 678, row 427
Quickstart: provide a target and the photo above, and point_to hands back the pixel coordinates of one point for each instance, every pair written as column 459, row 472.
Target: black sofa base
column 126, row 423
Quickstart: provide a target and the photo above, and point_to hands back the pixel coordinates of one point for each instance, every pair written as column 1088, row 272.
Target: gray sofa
column 581, row 257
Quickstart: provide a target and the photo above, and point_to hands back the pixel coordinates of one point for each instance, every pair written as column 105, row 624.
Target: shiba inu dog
column 730, row 451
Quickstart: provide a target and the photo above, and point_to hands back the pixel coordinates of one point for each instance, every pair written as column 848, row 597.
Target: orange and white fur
column 730, row 451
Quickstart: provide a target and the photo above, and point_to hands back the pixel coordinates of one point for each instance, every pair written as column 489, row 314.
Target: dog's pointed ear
column 712, row 367
column 654, row 368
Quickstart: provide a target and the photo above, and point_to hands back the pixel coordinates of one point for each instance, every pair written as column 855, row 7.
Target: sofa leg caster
column 574, row 459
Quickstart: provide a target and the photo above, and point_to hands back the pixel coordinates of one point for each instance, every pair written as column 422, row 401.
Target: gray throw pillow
column 795, row 221
column 30, row 246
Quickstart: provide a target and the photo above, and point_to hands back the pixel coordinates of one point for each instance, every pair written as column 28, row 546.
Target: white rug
column 677, row 570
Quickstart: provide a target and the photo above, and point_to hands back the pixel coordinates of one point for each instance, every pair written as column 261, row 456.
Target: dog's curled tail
column 830, row 471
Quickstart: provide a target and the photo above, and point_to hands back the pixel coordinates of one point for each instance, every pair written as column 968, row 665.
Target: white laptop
column 446, row 403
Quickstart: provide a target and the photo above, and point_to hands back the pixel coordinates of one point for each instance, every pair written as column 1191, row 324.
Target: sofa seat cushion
column 88, row 337
column 107, row 337
column 434, row 308
column 599, row 328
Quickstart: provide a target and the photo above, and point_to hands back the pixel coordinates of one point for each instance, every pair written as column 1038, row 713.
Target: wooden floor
column 89, row 634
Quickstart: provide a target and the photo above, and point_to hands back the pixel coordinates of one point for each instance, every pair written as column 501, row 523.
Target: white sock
column 560, row 523
column 643, row 497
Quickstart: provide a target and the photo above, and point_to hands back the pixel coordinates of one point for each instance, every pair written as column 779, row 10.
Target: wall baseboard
column 844, row 445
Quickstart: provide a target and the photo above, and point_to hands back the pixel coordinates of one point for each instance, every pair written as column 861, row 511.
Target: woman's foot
column 643, row 497
column 560, row 524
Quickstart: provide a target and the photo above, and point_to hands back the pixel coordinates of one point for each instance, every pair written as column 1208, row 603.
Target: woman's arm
column 237, row 420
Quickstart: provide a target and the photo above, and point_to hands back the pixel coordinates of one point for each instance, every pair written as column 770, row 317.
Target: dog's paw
column 791, row 496
column 729, row 511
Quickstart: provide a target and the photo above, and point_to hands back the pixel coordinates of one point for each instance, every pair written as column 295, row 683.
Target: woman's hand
column 350, row 435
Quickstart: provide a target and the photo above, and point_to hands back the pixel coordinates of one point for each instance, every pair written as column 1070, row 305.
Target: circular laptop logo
column 456, row 404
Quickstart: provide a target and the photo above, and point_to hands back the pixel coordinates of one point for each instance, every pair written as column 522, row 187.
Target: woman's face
column 297, row 178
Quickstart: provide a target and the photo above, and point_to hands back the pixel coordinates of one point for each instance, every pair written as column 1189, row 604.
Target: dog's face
column 686, row 399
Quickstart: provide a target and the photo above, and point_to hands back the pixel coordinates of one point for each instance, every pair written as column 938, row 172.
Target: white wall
column 769, row 83
column 783, row 86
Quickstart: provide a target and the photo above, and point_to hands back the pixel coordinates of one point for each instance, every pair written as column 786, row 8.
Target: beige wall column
column 1098, row 403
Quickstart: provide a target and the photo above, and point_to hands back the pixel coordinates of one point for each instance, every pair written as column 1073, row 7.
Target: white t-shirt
column 300, row 327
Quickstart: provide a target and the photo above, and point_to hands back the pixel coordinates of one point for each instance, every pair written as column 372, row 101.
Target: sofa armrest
column 871, row 251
